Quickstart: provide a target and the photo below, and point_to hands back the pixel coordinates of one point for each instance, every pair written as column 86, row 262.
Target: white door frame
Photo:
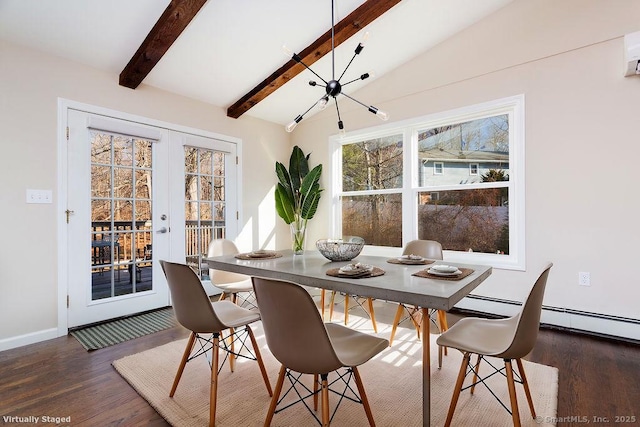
column 63, row 106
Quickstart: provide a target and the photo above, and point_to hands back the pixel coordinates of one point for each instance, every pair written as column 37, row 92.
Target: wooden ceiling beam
column 368, row 12
column 170, row 25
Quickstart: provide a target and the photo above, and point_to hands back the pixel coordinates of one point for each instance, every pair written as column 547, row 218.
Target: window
column 438, row 168
column 455, row 177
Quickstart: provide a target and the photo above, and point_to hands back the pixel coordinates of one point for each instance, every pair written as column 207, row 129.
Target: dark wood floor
column 58, row 378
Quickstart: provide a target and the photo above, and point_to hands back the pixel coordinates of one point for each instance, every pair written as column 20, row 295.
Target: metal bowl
column 344, row 249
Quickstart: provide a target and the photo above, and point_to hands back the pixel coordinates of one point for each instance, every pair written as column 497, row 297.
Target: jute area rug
column 393, row 381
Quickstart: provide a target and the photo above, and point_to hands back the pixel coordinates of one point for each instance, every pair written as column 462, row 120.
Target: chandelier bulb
column 288, row 52
column 322, row 104
column 365, row 37
column 291, row 126
column 382, row 115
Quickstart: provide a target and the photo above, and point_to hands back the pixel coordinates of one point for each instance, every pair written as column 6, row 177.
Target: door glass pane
column 121, row 238
column 204, row 213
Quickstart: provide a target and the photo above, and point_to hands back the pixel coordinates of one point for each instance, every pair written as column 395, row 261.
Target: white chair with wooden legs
column 207, row 321
column 229, row 283
column 508, row 339
column 303, row 344
column 429, row 249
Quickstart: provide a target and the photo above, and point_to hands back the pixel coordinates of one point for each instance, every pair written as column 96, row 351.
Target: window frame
column 512, row 106
column 435, row 168
column 471, row 169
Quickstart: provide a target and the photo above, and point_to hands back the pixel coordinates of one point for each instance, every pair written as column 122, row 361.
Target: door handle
column 162, row 230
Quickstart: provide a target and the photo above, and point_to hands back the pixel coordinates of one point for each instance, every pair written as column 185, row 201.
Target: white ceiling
column 233, row 45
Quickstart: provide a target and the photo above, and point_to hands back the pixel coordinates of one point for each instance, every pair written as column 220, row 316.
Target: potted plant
column 297, row 195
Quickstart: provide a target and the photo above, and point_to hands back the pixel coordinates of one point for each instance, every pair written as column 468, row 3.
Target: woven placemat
column 335, row 272
column 423, row 262
column 256, row 257
column 427, row 275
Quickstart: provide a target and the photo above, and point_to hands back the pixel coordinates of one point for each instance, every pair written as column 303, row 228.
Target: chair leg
column 325, row 400
column 412, row 315
column 223, row 296
column 372, row 315
column 232, row 357
column 512, row 393
column 183, row 362
column 315, row 392
column 275, row 397
column 458, row 388
column 525, row 384
column 213, row 397
column 476, row 369
column 346, row 309
column 442, row 320
column 363, row 396
column 396, row 322
column 256, row 350
column 333, row 297
column 322, row 292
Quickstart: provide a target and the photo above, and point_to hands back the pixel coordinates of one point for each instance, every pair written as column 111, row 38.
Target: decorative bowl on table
column 344, row 249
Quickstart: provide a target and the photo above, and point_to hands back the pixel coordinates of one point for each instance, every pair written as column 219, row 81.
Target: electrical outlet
column 584, row 279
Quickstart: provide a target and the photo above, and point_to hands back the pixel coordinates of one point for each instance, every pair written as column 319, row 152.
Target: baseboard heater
column 609, row 317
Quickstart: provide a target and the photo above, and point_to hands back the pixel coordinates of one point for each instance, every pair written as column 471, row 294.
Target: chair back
column 528, row 320
column 190, row 301
column 219, row 247
column 293, row 327
column 429, row 249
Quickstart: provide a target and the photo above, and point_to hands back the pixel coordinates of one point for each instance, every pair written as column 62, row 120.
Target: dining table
column 398, row 282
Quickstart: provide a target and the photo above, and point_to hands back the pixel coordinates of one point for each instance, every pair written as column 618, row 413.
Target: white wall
column 582, row 146
column 30, row 85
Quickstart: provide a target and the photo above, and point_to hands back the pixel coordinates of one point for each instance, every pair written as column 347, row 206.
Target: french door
column 138, row 194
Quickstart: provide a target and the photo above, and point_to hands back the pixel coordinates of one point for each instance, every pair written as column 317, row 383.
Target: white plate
column 442, row 273
column 355, row 269
column 441, row 268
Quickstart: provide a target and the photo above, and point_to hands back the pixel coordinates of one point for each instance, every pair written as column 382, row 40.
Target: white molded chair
column 508, row 339
column 302, row 343
column 207, row 321
column 229, row 283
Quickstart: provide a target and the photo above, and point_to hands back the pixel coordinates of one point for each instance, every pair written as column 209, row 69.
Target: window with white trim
column 456, row 177
column 438, row 168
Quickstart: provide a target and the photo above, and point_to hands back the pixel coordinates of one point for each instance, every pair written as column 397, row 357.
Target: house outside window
column 456, row 177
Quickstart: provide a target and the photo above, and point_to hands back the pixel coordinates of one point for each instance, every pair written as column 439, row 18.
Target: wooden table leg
column 426, row 369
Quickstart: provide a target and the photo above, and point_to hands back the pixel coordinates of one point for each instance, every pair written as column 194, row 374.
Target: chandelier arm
column 352, row 81
column 340, row 125
column 297, row 58
column 348, row 65
column 355, row 100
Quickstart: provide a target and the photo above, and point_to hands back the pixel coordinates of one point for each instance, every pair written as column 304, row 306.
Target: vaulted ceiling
column 228, row 52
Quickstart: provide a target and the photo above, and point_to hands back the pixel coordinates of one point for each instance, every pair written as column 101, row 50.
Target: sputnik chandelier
column 333, row 87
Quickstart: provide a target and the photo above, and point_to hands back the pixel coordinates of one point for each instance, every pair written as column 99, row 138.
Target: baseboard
column 602, row 325
column 26, row 339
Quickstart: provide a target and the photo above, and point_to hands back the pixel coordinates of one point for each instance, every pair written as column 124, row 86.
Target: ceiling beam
column 170, row 25
column 368, row 12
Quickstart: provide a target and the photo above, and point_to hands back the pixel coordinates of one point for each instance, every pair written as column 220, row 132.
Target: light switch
column 39, row 196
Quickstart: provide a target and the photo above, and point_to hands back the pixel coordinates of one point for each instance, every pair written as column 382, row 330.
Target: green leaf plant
column 298, row 192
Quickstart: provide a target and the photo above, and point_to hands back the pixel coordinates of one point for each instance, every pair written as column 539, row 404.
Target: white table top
column 397, row 284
